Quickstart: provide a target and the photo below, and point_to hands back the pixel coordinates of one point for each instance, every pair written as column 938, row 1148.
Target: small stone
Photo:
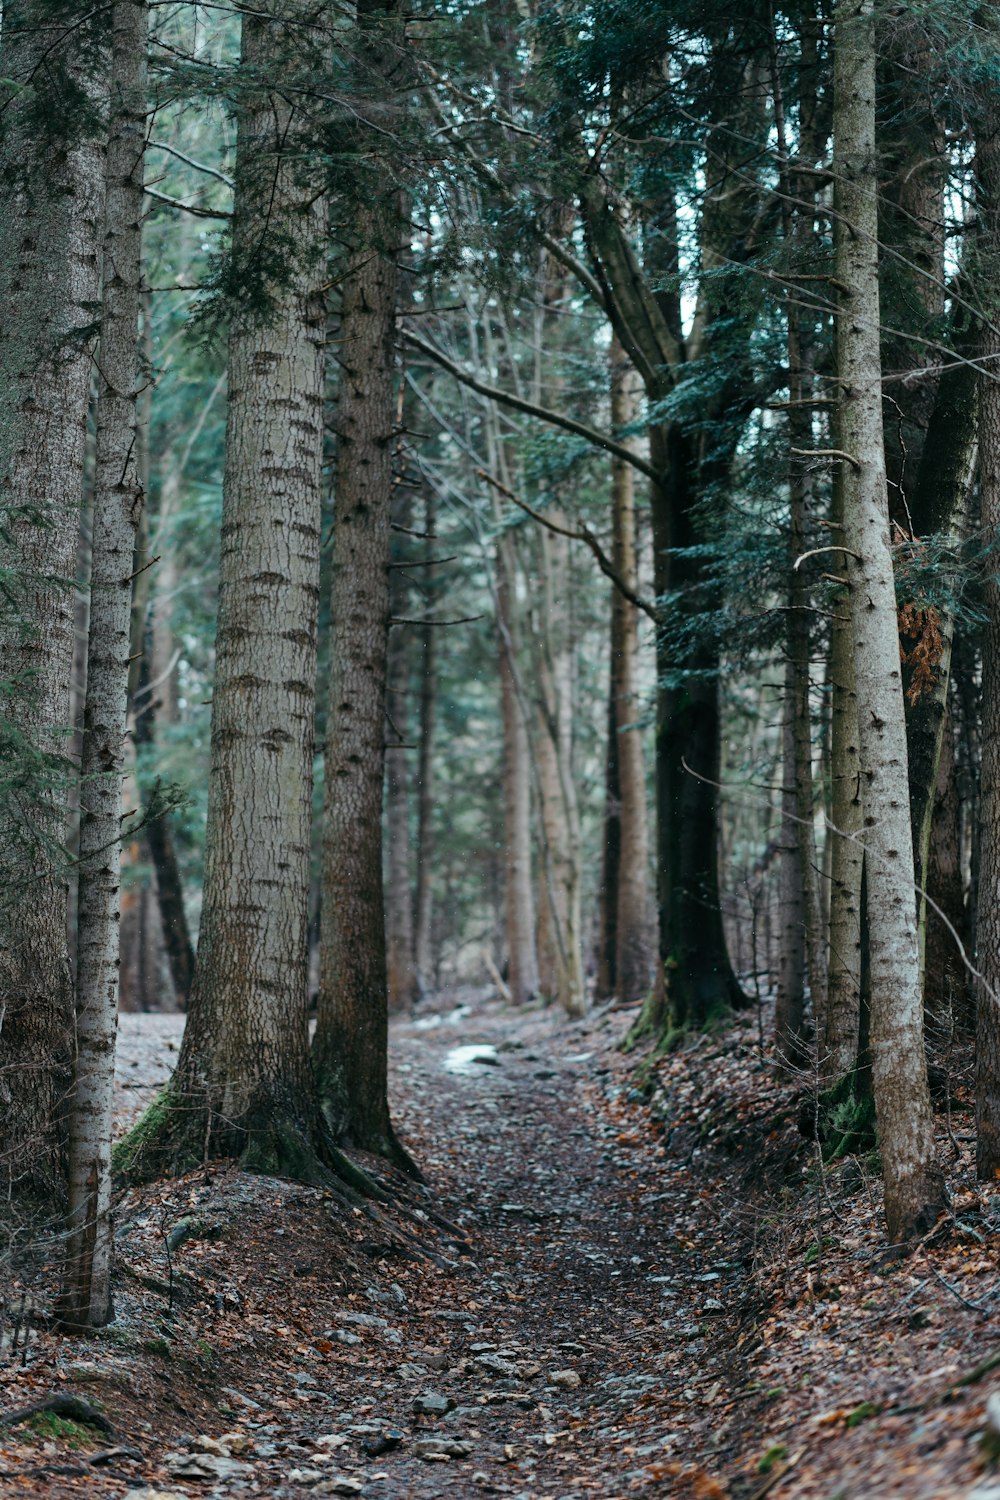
column 304, row 1476
column 433, row 1449
column 385, row 1442
column 343, row 1337
column 236, row 1442
column 568, row 1379
column 363, row 1320
column 431, row 1404
column 331, row 1440
column 205, row 1444
column 204, row 1466
column 494, row 1365
column 339, row 1484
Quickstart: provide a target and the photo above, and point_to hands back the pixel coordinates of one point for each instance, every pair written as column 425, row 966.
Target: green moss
column 845, row 1119
column 46, row 1425
column 861, row 1414
column 773, row 1456
column 158, row 1345
column 154, row 1140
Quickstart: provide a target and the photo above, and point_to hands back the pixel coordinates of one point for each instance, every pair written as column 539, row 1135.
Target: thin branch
column 584, row 534
column 190, row 161
column 815, row 552
column 528, row 408
column 188, row 208
column 838, row 453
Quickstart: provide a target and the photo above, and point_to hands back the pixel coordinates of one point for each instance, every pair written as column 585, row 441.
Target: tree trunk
column 85, row 1301
column 940, row 507
column 243, row 1084
column 50, row 227
column 553, row 748
column 839, row 1034
column 790, row 1005
column 632, row 966
column 988, row 897
column 699, row 976
column 946, row 979
column 424, row 903
column 607, row 944
column 914, row 1185
column 401, row 968
column 522, row 956
column 350, row 1047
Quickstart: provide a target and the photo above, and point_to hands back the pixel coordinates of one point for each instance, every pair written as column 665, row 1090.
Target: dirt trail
column 594, row 1330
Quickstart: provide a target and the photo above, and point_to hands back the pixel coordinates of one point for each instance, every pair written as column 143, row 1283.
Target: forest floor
column 651, row 1290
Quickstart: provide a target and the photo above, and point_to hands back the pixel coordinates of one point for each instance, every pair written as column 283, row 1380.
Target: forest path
column 625, row 1310
column 577, row 1342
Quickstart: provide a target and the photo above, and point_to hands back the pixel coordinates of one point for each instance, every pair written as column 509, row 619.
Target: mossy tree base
column 841, row 1118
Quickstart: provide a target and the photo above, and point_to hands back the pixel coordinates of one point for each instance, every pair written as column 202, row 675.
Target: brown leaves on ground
column 665, row 1294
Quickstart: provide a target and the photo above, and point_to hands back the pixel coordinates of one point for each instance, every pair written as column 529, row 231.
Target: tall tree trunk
column 914, row 1185
column 51, row 206
column 86, row 1293
column 351, row 1042
column 159, row 838
column 607, row 944
column 939, row 507
column 838, row 1049
column 633, row 966
column 988, row 900
column 401, row 968
column 522, row 957
column 553, row 749
column 699, row 976
column 423, row 940
column 243, row 1083
column 946, row 979
column 789, row 1010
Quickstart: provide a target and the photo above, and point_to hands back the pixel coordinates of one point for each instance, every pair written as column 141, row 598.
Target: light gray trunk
column 522, row 954
column 633, row 932
column 914, row 1185
column 243, row 1082
column 51, row 214
column 560, row 931
column 86, row 1293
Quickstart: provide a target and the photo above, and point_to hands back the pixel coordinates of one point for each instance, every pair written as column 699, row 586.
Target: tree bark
column 50, row 233
column 839, row 1034
column 243, row 1084
column 522, row 957
column 423, row 940
column 632, row 966
column 914, row 1185
column 401, row 966
column 790, row 1002
column 988, row 897
column 940, row 508
column 85, row 1301
column 351, row 1042
column 553, row 751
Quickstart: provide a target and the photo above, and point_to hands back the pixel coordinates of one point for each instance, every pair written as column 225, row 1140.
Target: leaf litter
column 634, row 1281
